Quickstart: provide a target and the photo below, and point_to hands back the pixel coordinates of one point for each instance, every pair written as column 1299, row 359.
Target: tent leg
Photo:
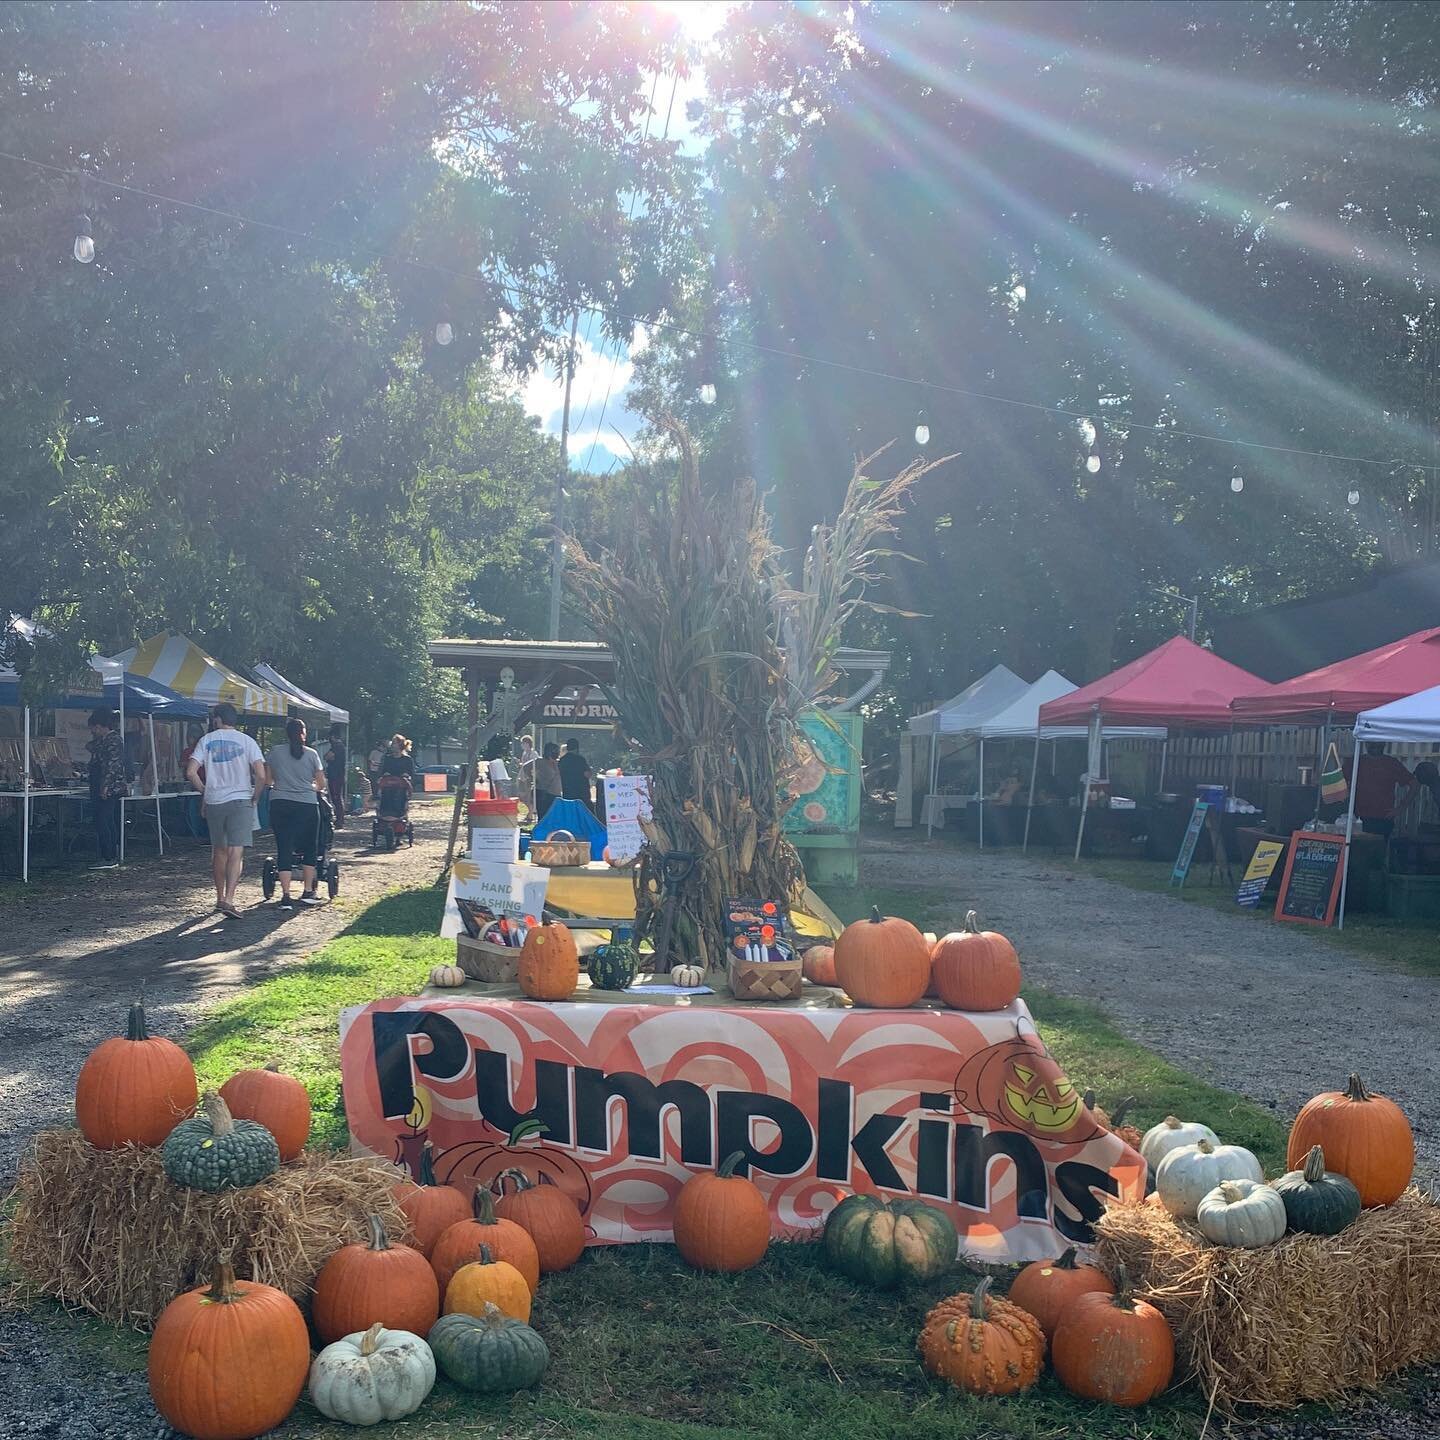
column 1080, row 829
column 930, row 791
column 25, row 807
column 1235, row 762
column 124, row 794
column 155, row 783
column 1164, row 753
column 1094, row 760
column 1349, row 831
column 1320, row 764
column 981, row 796
column 1030, row 806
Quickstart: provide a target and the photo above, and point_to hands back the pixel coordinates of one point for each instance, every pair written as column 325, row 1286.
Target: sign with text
column 1198, row 817
column 1310, row 886
column 587, row 707
column 627, row 803
column 1258, row 872
column 514, row 890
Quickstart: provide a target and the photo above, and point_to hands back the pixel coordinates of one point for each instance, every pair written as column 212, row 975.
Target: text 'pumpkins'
column 549, row 966
column 882, row 962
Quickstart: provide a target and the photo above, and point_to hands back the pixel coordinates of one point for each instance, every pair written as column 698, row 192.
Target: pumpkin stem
column 379, row 1240
column 1088, row 1099
column 1171, row 1123
column 427, row 1164
column 492, row 1315
column 1120, row 1111
column 217, row 1112
column 273, row 1066
column 482, row 1204
column 728, row 1164
column 1314, row 1167
column 972, row 922
column 487, row 1256
column 1355, row 1089
column 876, row 918
column 1067, row 1260
column 1204, row 1147
column 1123, row 1298
column 521, row 1179
column 370, row 1340
column 222, row 1289
column 980, row 1300
column 530, row 1125
column 135, row 1028
column 1232, row 1193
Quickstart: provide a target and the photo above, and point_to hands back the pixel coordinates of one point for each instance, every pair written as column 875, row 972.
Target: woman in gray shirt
column 296, row 777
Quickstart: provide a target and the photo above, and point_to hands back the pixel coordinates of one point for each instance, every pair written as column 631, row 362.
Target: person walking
column 574, row 774
column 107, row 786
column 547, row 779
column 525, row 773
column 296, row 779
column 234, row 776
column 335, row 762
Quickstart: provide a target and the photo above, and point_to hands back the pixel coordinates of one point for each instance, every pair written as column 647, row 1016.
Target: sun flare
column 699, row 20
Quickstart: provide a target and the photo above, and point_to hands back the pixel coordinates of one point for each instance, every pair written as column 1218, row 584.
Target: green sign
column 827, row 801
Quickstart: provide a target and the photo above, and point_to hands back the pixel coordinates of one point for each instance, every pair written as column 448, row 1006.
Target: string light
column 1237, row 483
column 84, row 241
column 1092, row 464
column 1087, row 433
column 443, row 333
column 707, row 394
column 1353, row 498
column 922, row 429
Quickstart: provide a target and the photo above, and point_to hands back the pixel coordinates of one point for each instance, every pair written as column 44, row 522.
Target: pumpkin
column 722, row 1221
column 1113, row 1348
column 447, row 977
column 278, row 1102
column 549, row 966
column 1245, row 1214
column 133, row 1090
column 882, row 1244
column 983, row 1345
column 460, row 1244
column 228, row 1362
column 430, row 1207
column 1046, row 1287
column 1317, row 1201
column 614, row 966
column 489, row 1353
column 489, row 1281
column 213, row 1152
column 687, row 977
column 1172, row 1134
column 1018, row 1084
column 360, row 1284
column 482, row 1162
column 366, row 1378
column 549, row 1215
column 818, row 965
column 1187, row 1175
column 1365, row 1137
column 976, row 969
column 1128, row 1133
column 882, row 962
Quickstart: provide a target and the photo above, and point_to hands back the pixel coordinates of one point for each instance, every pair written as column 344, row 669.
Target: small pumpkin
column 882, row 1244
column 213, row 1152
column 1116, row 1126
column 430, row 1207
column 614, row 966
column 489, row 1281
column 1365, row 1137
column 1187, row 1175
column 983, row 1345
column 550, row 1216
column 278, row 1102
column 1317, row 1201
column 976, row 969
column 882, row 962
column 1171, row 1134
column 361, row 1284
column 1046, row 1287
column 488, row 1353
column 818, row 965
column 447, row 977
column 1113, row 1348
column 133, row 1090
column 722, row 1221
column 228, row 1361
column 460, row 1244
column 687, row 977
column 549, row 965
column 1245, row 1214
column 378, row 1375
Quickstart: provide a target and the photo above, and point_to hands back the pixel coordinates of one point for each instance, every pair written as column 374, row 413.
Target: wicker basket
column 560, row 852
column 482, row 960
column 765, row 979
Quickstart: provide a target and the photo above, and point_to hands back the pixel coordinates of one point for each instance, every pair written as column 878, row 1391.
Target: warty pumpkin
column 722, row 1221
column 1187, row 1175
column 1113, row 1348
column 380, row 1375
column 228, row 1361
column 983, row 1345
column 1046, row 1287
column 549, row 965
column 882, row 962
column 213, row 1152
column 548, row 1214
column 976, row 969
column 362, row 1284
column 1244, row 1214
column 486, row 1280
column 488, row 1353
column 1171, row 1134
column 461, row 1243
column 882, row 1243
column 278, row 1102
column 818, row 965
column 1365, row 1137
column 430, row 1207
column 134, row 1089
column 1317, row 1201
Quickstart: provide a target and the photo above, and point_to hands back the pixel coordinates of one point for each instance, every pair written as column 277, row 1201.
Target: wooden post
column 462, row 791
column 472, row 731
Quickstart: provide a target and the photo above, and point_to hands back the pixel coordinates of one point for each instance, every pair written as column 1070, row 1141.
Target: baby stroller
column 392, row 821
column 327, row 868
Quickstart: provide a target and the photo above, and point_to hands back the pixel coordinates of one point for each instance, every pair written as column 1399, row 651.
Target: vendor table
column 965, row 1111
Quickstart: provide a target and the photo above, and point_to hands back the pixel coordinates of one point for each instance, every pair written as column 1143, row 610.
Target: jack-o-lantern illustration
column 1018, row 1084
column 482, row 1162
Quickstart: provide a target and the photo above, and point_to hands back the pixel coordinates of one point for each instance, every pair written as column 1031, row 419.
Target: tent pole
column 1164, row 751
column 981, row 796
column 1092, row 746
column 1235, row 763
column 1320, row 766
column 930, row 791
column 155, row 788
column 125, row 751
column 1034, row 766
column 25, row 806
column 1349, row 831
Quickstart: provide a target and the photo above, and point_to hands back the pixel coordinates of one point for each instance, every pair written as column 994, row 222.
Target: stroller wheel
column 269, row 875
column 332, row 878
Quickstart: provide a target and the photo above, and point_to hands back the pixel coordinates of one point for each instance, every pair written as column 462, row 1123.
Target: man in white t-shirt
column 234, row 771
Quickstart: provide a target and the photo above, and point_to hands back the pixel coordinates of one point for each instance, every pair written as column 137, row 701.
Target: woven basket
column 481, row 960
column 765, row 979
column 555, row 851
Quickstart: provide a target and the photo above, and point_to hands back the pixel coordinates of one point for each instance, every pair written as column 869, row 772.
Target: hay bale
column 1311, row 1318
column 105, row 1231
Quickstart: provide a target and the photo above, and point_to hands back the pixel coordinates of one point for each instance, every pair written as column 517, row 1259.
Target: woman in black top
column 399, row 761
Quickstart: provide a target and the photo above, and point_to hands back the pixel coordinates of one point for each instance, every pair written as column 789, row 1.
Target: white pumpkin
column 1170, row 1134
column 372, row 1375
column 687, row 976
column 447, row 977
column 1243, row 1213
column 1187, row 1175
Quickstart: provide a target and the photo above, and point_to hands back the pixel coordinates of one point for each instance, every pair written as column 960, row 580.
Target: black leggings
column 297, row 831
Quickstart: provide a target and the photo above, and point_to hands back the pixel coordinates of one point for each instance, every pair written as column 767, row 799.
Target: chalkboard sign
column 1310, row 886
column 1187, row 845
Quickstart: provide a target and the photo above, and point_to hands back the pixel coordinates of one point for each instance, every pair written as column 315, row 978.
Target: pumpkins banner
column 624, row 1103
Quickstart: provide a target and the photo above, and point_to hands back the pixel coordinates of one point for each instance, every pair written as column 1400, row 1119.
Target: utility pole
column 557, row 510
column 1193, row 601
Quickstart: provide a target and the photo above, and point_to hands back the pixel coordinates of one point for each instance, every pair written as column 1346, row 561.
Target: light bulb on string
column 1092, row 464
column 1237, row 483
column 84, row 241
column 922, row 429
column 1353, row 498
column 1087, row 433
column 707, row 393
column 444, row 334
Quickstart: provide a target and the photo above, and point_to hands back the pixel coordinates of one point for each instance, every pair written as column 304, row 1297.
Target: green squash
column 614, row 966
column 1317, row 1200
column 490, row 1352
column 884, row 1244
column 212, row 1151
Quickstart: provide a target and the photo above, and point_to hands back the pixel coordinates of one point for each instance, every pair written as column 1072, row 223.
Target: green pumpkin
column 884, row 1244
column 1317, row 1200
column 212, row 1151
column 614, row 966
column 490, row 1352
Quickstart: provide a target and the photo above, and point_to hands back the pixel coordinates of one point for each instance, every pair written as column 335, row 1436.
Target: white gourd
column 1244, row 1213
column 447, row 977
column 1187, row 1175
column 372, row 1375
column 687, row 976
column 1170, row 1134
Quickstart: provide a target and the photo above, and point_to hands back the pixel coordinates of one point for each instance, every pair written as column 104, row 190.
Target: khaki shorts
column 231, row 823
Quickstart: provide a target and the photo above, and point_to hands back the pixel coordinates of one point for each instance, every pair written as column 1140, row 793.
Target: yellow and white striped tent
column 177, row 661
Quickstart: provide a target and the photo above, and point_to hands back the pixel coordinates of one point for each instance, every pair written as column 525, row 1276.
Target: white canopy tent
column 302, row 698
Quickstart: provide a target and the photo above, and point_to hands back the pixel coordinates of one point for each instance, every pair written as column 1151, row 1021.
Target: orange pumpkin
column 134, row 1090
column 818, row 965
column 430, row 1207
column 882, row 962
column 485, row 1280
column 1365, row 1137
column 505, row 1240
column 1046, row 1287
column 722, row 1221
column 1113, row 1348
column 361, row 1284
column 976, row 969
column 549, row 966
column 983, row 1345
column 278, row 1102
column 228, row 1362
column 548, row 1214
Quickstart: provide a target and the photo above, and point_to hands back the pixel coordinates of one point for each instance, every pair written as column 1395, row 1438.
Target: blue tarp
column 578, row 819
column 142, row 697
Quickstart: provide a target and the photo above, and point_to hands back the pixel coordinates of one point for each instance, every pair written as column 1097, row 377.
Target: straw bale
column 1312, row 1318
column 105, row 1231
